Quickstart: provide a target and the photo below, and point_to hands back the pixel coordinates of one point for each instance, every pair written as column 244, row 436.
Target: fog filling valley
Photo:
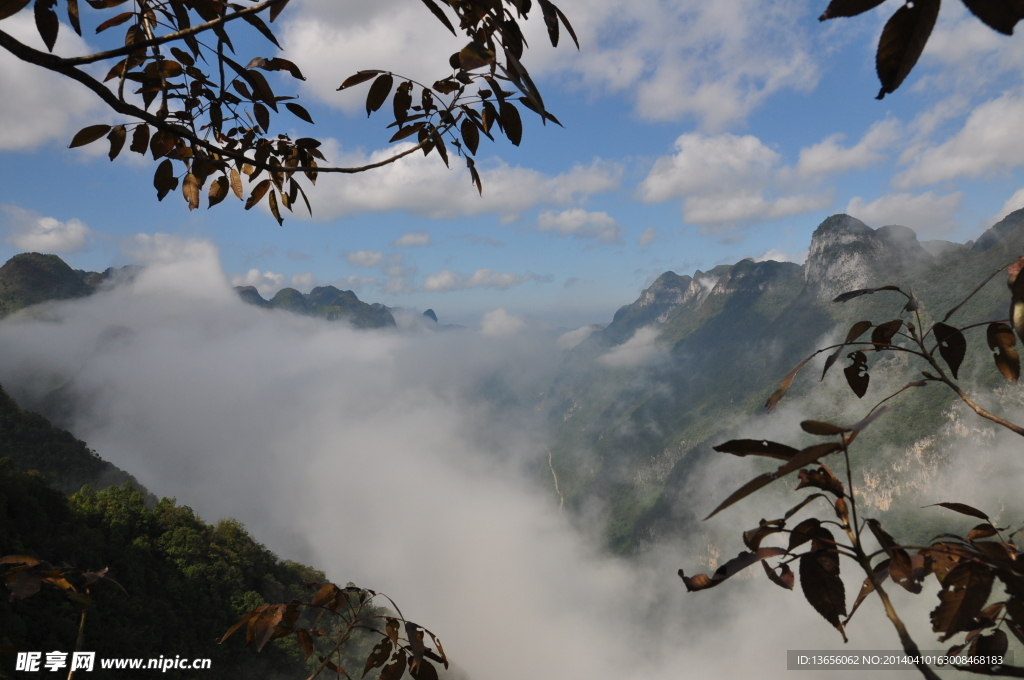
column 406, row 462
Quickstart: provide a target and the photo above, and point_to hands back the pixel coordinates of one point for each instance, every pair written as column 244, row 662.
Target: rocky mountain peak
column 846, row 254
column 667, row 291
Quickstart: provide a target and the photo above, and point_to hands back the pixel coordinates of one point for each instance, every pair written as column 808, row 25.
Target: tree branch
column 58, row 65
column 982, row 412
column 170, row 37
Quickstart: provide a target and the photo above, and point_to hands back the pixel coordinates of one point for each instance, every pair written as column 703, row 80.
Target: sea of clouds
column 405, row 461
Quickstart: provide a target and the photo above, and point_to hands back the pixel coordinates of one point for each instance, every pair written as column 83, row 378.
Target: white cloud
column 190, row 267
column 423, row 186
column 1015, row 202
column 499, row 323
column 714, row 62
column 482, row 278
column 705, row 164
column 725, row 209
column 640, row 349
column 965, row 56
column 365, row 258
column 39, row 106
column 726, row 180
column 647, row 237
column 265, row 282
column 581, row 224
column 412, row 239
column 827, row 156
column 989, row 142
column 28, row 230
column 927, row 214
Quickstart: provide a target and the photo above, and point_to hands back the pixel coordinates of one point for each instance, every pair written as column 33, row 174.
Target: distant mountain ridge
column 32, row 278
column 326, row 302
column 717, row 344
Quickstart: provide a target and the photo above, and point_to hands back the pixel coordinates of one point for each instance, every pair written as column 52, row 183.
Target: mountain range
column 636, row 407
column 32, row 278
column 638, row 404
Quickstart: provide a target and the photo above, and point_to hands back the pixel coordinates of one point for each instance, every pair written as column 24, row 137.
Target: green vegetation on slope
column 31, row 278
column 187, row 581
column 326, row 302
column 33, row 444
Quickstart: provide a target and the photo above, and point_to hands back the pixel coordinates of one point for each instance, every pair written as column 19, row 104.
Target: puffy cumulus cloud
column 704, row 164
column 989, row 142
column 639, row 350
column 500, row 322
column 423, row 186
column 580, row 223
column 28, row 230
column 726, row 180
column 647, row 237
column 447, row 280
column 265, row 282
column 365, row 258
column 713, row 62
column 304, row 281
column 927, row 214
column 39, row 106
column 828, row 156
column 413, row 239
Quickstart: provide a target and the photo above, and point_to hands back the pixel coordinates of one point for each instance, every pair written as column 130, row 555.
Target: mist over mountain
column 485, row 479
column 637, row 405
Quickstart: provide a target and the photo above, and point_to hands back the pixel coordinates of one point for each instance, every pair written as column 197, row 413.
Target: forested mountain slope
column 186, row 582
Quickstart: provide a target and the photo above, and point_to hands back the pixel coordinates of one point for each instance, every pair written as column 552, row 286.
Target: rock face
column 326, row 302
column 679, row 304
column 846, row 254
column 667, row 293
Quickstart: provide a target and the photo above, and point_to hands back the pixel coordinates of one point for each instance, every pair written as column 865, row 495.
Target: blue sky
column 695, row 134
